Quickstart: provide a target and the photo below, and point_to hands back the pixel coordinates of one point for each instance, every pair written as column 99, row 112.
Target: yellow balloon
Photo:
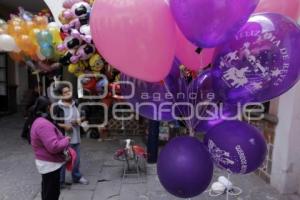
column 55, row 32
column 16, row 30
column 33, row 33
column 30, row 25
column 76, row 69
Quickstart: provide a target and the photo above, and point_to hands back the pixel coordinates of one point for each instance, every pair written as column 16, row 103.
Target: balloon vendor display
column 185, row 167
column 77, row 49
column 31, row 38
column 195, row 61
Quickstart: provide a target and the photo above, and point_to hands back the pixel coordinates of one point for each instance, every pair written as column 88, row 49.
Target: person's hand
column 68, row 127
column 76, row 122
column 69, row 138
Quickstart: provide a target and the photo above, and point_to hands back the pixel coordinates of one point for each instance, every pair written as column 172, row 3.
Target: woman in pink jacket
column 48, row 145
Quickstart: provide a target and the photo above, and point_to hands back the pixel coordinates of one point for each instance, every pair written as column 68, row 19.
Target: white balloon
column 85, row 29
column 225, row 182
column 53, row 25
column 218, row 187
column 8, row 43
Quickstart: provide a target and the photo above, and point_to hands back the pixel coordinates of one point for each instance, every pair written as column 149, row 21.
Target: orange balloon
column 30, row 25
column 18, row 57
column 16, row 30
column 25, row 44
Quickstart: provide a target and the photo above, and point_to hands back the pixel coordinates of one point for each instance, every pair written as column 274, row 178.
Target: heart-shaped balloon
column 209, row 23
column 135, row 36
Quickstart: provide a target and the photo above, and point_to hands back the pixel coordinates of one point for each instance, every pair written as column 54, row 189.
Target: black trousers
column 51, row 185
column 153, row 140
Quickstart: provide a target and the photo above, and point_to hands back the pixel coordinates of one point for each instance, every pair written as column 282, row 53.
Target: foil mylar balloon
column 261, row 62
column 236, row 146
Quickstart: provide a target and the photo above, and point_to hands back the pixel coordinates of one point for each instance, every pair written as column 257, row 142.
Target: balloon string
column 168, row 90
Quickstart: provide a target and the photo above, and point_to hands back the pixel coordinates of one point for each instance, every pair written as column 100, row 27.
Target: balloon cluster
column 31, row 38
column 249, row 58
column 79, row 52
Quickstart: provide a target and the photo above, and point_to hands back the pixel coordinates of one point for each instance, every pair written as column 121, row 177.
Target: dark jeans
column 153, row 139
column 51, row 186
column 76, row 175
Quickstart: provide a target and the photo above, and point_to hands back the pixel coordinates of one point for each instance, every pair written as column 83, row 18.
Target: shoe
column 65, row 185
column 83, row 181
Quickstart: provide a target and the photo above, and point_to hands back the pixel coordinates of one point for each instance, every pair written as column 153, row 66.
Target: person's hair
column 41, row 106
column 60, row 87
column 39, row 109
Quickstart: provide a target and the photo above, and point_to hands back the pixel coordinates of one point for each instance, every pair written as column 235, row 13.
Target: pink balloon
column 135, row 36
column 290, row 8
column 186, row 53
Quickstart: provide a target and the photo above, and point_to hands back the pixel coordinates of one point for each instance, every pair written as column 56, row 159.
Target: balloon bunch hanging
column 31, row 38
column 79, row 52
column 253, row 58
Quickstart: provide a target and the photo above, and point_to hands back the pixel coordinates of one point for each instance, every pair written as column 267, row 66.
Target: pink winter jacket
column 47, row 141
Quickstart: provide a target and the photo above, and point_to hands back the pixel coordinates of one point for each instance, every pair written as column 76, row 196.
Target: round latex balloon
column 216, row 115
column 2, row 23
column 184, row 167
column 8, row 43
column 135, row 36
column 200, row 94
column 209, row 23
column 290, row 8
column 261, row 62
column 188, row 56
column 236, row 146
column 146, row 98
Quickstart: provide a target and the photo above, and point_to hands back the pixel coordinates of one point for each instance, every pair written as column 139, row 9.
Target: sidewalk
column 19, row 179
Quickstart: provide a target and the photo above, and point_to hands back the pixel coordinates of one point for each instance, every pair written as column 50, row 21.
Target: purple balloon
column 147, row 97
column 202, row 96
column 261, row 62
column 236, row 146
column 209, row 23
column 216, row 116
column 184, row 167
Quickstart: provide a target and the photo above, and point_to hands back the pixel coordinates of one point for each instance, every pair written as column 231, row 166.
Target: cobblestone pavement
column 19, row 179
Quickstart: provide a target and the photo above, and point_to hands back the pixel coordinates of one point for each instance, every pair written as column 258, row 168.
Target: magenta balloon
column 209, row 23
column 186, row 53
column 184, row 167
column 290, row 8
column 135, row 36
column 261, row 62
